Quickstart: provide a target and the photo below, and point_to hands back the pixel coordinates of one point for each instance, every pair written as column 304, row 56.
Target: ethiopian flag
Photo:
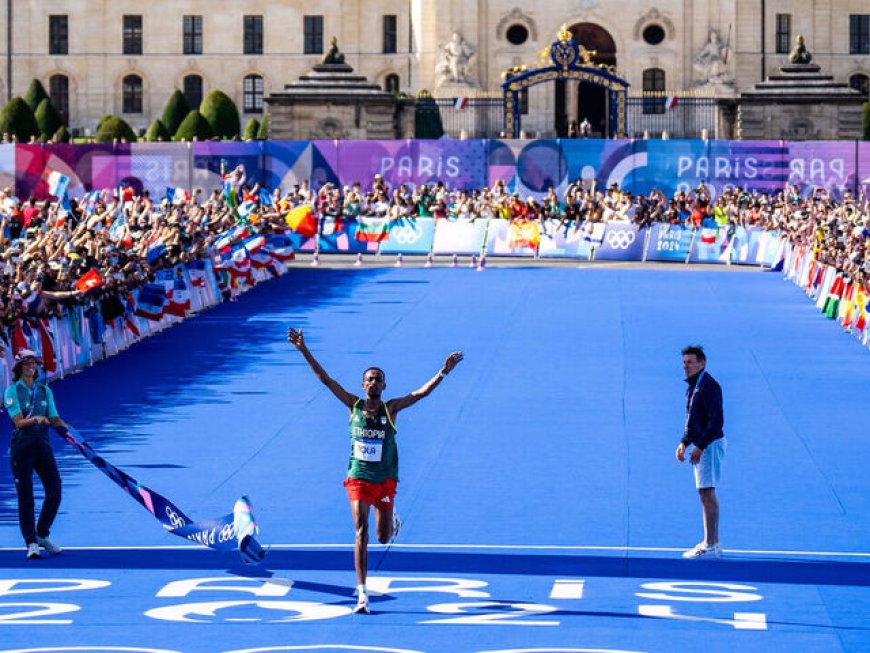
column 372, row 230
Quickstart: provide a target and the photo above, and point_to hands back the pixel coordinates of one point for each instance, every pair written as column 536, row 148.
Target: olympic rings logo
column 174, row 518
column 226, row 533
column 620, row 239
column 406, row 234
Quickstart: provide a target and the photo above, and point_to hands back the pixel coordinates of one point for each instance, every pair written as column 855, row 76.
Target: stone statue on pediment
column 799, row 53
column 332, row 56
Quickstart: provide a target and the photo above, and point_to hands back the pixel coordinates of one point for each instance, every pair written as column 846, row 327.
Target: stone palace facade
column 126, row 57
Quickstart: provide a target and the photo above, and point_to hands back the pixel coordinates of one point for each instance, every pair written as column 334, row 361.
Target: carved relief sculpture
column 454, row 61
column 710, row 63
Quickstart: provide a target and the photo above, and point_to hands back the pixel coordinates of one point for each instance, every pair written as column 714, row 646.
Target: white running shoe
column 362, row 604
column 397, row 526
column 48, row 545
column 32, row 551
column 703, row 550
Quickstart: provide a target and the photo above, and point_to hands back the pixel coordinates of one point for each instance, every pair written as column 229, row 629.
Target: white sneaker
column 32, row 551
column 704, row 550
column 362, row 604
column 48, row 545
column 397, row 526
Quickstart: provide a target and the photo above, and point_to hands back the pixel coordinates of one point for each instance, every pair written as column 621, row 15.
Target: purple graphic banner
column 529, row 168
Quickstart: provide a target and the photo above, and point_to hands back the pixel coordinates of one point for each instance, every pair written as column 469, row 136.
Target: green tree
column 263, row 132
column 35, row 94
column 113, row 127
column 194, row 126
column 157, row 132
column 17, row 118
column 62, row 135
column 221, row 114
column 47, row 119
column 427, row 117
column 252, row 129
column 175, row 111
column 867, row 121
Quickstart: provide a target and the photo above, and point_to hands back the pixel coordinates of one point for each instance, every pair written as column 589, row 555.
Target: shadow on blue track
column 207, row 346
column 796, row 572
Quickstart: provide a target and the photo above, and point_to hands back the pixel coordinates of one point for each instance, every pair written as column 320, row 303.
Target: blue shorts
column 708, row 471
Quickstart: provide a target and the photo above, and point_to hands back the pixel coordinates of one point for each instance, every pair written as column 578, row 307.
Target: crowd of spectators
column 45, row 246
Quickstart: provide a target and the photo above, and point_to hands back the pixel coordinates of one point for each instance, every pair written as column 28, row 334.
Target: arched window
column 58, row 91
column 391, row 83
column 253, row 94
column 132, row 94
column 653, row 83
column 861, row 83
column 193, row 90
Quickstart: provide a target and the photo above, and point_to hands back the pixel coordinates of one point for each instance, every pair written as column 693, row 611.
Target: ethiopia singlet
column 374, row 456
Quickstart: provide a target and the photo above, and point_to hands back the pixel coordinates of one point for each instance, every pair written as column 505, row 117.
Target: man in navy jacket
column 703, row 432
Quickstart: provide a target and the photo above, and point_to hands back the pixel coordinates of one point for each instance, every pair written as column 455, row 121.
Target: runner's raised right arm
column 345, row 397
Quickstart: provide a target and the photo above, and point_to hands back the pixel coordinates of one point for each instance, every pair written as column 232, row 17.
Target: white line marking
column 567, row 588
column 476, row 547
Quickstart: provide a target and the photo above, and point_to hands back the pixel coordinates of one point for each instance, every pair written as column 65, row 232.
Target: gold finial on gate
column 564, row 34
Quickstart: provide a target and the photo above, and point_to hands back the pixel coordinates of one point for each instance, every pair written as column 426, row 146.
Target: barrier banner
column 339, row 235
column 770, row 248
column 566, row 242
column 744, row 245
column 410, row 236
column 668, row 242
column 602, row 161
column 513, row 237
column 621, row 242
column 710, row 245
column 459, row 236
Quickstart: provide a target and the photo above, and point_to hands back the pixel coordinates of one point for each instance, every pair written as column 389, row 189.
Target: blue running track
column 542, row 506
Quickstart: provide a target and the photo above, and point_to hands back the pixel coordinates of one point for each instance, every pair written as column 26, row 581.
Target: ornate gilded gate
column 570, row 61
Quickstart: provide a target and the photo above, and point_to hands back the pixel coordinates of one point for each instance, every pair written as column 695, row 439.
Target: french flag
column 670, row 102
column 460, row 103
column 179, row 300
column 281, row 247
column 151, row 301
column 246, row 208
column 177, row 195
column 57, row 183
column 196, row 270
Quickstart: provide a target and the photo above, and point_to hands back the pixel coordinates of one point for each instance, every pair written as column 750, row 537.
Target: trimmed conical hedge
column 427, row 117
column 113, row 127
column 175, row 111
column 252, row 129
column 157, row 132
column 221, row 114
column 194, row 126
column 62, row 135
column 35, row 94
column 263, row 132
column 17, row 118
column 47, row 119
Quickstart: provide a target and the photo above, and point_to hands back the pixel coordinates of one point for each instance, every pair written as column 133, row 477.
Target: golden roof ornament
column 564, row 34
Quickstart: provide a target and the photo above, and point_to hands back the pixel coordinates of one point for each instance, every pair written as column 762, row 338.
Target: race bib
column 368, row 450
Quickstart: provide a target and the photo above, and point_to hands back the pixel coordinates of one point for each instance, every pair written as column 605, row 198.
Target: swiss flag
column 89, row 281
